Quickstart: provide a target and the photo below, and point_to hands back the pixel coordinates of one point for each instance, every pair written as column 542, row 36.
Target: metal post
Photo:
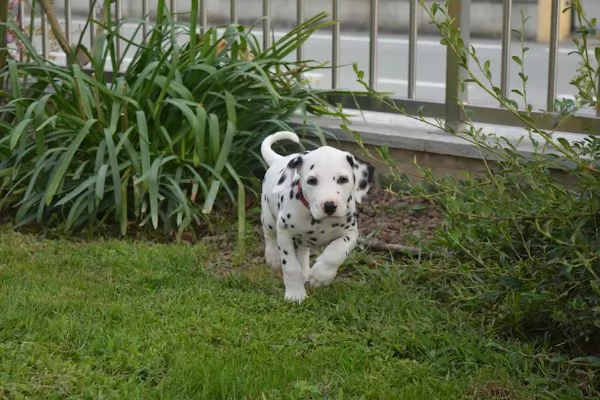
column 412, row 49
column 173, row 9
column 203, row 17
column 234, row 11
column 299, row 20
column 266, row 24
column 460, row 12
column 146, row 19
column 68, row 21
column 92, row 25
column 21, row 11
column 552, row 65
column 119, row 17
column 373, row 35
column 44, row 35
column 506, row 32
column 335, row 45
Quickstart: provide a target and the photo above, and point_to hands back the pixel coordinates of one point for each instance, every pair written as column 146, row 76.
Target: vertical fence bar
column 173, row 9
column 373, row 35
column 44, row 34
column 412, row 49
column 119, row 17
column 68, row 20
column 146, row 19
column 299, row 20
column 460, row 12
column 506, row 33
column 92, row 25
column 203, row 16
column 21, row 14
column 266, row 23
column 234, row 11
column 553, row 51
column 335, row 45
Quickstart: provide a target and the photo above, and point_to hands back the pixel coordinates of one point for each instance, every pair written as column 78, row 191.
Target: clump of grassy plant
column 161, row 140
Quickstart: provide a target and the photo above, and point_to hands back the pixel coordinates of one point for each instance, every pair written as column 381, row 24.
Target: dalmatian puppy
column 309, row 200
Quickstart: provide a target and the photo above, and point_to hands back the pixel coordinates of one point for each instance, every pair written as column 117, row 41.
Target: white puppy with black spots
column 309, row 200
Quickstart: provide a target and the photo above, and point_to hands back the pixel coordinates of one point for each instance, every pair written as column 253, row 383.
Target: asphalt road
column 392, row 68
column 392, row 65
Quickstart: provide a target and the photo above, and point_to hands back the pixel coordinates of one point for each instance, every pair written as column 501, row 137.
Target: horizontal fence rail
column 455, row 98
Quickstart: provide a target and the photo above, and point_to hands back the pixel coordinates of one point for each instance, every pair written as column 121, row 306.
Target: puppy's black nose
column 329, row 207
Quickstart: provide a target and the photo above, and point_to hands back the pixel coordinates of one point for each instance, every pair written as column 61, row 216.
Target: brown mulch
column 397, row 220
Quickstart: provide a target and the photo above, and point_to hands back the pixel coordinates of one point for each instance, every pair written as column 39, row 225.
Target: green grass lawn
column 122, row 320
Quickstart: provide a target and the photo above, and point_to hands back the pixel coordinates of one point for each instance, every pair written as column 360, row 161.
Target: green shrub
column 520, row 243
column 157, row 144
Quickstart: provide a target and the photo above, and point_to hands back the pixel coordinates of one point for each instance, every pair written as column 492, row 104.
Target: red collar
column 301, row 196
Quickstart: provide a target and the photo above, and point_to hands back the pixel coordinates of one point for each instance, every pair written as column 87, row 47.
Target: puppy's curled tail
column 268, row 154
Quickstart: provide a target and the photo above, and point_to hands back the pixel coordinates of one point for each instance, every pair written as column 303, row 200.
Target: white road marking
column 402, row 41
column 391, row 81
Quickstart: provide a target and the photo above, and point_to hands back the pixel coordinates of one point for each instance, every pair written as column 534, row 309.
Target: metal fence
column 456, row 100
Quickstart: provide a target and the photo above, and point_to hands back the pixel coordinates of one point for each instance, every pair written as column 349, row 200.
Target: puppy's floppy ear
column 363, row 179
column 295, row 162
column 350, row 159
column 289, row 175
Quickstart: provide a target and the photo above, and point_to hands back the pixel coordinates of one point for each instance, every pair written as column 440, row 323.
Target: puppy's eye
column 312, row 181
column 341, row 180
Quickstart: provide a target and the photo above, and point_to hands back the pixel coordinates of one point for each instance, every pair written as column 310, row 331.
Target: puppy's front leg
column 293, row 278
column 327, row 264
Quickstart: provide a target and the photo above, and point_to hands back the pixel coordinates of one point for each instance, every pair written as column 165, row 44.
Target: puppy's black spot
column 284, row 261
column 334, row 225
column 285, row 252
column 271, row 227
column 312, row 166
column 292, row 226
column 298, row 196
column 282, row 178
column 295, row 162
column 289, row 215
column 291, row 194
column 365, row 174
column 310, row 232
column 362, row 184
column 322, row 232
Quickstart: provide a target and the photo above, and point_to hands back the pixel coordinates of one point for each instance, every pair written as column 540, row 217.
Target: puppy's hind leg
column 270, row 234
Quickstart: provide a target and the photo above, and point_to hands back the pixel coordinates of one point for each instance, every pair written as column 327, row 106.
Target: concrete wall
column 486, row 15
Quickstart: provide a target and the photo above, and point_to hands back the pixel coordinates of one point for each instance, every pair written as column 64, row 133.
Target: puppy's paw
column 320, row 275
column 272, row 257
column 296, row 296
